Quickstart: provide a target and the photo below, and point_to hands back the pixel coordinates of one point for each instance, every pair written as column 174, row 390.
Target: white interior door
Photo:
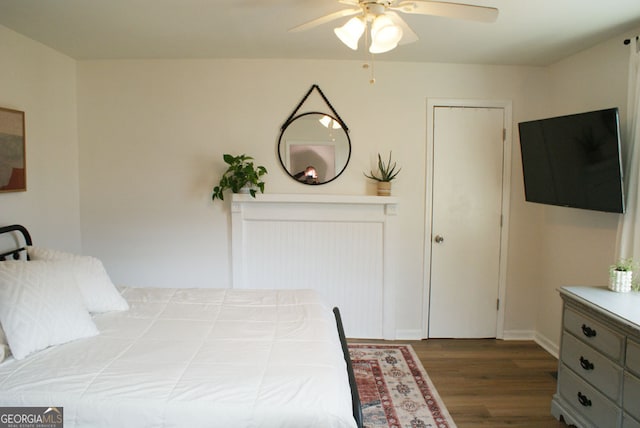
column 468, row 150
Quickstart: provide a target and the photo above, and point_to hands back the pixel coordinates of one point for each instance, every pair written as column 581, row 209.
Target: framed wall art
column 13, row 170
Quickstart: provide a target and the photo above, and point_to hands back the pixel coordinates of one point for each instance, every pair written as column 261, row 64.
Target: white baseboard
column 548, row 345
column 518, row 335
column 409, row 335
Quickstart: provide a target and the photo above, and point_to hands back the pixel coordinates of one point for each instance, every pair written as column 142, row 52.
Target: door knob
column 438, row 239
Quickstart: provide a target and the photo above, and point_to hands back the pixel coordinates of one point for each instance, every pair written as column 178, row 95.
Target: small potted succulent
column 386, row 173
column 621, row 275
column 242, row 176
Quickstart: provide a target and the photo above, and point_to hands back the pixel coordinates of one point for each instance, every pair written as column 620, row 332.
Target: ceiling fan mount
column 375, row 8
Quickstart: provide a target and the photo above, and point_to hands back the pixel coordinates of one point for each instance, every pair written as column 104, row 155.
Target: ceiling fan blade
column 349, row 2
column 408, row 35
column 324, row 19
column 449, row 10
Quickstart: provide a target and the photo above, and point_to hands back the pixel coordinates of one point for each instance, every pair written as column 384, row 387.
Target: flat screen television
column 574, row 161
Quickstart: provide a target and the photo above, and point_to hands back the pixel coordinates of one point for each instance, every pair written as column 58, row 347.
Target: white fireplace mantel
column 389, row 202
column 339, row 245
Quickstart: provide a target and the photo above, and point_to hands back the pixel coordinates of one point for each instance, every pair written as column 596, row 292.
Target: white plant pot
column 620, row 281
column 247, row 188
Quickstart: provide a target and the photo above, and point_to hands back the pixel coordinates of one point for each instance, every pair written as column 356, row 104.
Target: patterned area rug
column 394, row 388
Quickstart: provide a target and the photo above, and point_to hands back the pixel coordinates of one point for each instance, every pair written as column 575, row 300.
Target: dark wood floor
column 491, row 383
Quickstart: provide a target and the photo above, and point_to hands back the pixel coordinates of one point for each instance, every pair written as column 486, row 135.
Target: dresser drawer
column 592, row 405
column 631, row 395
column 594, row 333
column 592, row 366
column 629, row 422
column 633, row 356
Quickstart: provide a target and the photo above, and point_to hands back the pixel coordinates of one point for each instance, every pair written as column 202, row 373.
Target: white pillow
column 41, row 306
column 5, row 352
column 99, row 293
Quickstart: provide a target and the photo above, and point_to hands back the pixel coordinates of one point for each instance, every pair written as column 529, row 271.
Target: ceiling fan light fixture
column 377, row 48
column 385, row 35
column 350, row 33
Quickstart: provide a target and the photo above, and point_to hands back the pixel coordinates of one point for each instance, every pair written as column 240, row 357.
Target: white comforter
column 195, row 358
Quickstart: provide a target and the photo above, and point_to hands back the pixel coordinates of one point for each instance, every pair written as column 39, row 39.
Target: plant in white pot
column 242, row 176
column 621, row 275
column 386, row 173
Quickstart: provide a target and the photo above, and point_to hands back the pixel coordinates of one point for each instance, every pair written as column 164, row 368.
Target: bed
column 182, row 357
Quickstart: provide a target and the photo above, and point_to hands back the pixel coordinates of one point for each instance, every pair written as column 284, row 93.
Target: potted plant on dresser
column 621, row 275
column 241, row 176
column 386, row 173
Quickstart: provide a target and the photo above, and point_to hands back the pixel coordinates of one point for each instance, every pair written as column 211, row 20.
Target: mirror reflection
column 314, row 148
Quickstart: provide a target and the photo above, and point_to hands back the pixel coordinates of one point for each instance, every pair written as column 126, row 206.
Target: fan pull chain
column 369, row 65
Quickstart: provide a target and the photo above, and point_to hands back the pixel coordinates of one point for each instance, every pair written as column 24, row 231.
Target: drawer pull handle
column 586, row 364
column 583, row 400
column 588, row 331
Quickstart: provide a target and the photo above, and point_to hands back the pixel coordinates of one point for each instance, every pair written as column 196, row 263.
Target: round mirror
column 314, row 148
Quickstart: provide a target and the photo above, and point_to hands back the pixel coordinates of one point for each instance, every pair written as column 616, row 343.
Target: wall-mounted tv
column 574, row 161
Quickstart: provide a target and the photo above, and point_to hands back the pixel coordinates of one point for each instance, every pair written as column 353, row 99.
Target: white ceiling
column 527, row 32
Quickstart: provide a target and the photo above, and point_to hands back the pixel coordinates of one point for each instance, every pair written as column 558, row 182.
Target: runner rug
column 394, row 388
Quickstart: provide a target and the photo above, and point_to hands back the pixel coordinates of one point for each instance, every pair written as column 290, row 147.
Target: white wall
column 577, row 246
column 42, row 83
column 152, row 135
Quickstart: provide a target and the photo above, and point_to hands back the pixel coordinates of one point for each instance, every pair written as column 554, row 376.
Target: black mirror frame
column 295, row 116
column 293, row 119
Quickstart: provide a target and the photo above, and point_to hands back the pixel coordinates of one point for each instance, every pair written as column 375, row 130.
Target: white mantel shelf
column 316, row 199
column 389, row 204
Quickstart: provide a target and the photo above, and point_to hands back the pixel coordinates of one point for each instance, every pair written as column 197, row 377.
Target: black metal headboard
column 26, row 237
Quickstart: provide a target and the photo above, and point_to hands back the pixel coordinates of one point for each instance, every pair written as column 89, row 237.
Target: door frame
column 432, row 104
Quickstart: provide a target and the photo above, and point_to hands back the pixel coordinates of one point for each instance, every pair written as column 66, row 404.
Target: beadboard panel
column 334, row 246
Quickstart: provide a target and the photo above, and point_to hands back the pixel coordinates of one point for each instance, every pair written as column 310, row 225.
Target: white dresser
column 599, row 366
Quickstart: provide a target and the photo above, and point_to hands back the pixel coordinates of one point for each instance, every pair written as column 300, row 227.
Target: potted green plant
column 621, row 275
column 386, row 173
column 241, row 176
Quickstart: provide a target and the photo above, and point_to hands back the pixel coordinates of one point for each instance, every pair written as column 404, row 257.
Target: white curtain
column 629, row 226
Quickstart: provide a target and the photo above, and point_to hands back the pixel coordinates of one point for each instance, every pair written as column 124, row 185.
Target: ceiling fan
column 388, row 29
